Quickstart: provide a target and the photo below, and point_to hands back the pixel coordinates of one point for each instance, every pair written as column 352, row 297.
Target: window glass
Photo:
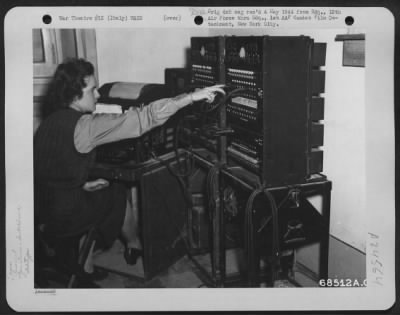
column 68, row 43
column 38, row 47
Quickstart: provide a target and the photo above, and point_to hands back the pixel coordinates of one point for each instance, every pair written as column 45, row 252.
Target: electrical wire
column 249, row 236
column 275, row 233
column 249, row 239
column 265, row 222
column 210, row 187
column 224, row 99
column 288, row 195
column 181, row 173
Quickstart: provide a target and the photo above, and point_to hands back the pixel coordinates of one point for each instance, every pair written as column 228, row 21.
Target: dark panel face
column 317, row 108
column 319, row 54
column 276, row 109
column 275, row 75
column 204, row 50
column 286, row 92
column 316, row 161
column 207, row 68
column 244, row 52
column 245, row 110
column 206, row 59
column 177, row 80
column 163, row 220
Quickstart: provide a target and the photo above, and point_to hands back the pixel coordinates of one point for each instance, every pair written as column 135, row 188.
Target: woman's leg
column 130, row 227
column 88, row 266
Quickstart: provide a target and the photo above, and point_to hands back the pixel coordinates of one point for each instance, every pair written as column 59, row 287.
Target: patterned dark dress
column 60, row 172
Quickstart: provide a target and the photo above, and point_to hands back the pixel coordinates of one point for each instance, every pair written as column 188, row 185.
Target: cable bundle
column 224, row 99
column 249, row 235
column 210, row 187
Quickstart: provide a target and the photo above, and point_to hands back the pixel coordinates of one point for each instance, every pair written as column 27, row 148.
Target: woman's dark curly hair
column 67, row 84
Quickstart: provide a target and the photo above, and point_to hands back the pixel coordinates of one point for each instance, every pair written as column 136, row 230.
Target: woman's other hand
column 96, row 184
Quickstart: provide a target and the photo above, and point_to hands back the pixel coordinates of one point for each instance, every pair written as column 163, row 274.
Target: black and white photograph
column 241, row 150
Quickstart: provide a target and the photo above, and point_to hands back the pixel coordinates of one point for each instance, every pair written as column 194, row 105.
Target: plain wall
column 141, row 55
column 345, row 262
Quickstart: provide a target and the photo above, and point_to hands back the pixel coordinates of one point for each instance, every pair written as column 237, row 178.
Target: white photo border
column 378, row 24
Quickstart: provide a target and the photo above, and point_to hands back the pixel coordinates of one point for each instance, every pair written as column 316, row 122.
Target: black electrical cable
column 293, row 190
column 249, row 240
column 210, row 192
column 178, row 161
column 210, row 188
column 224, row 99
column 275, row 237
column 275, row 230
column 284, row 200
column 188, row 170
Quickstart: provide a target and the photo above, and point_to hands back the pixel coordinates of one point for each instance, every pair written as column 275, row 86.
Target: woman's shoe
column 131, row 255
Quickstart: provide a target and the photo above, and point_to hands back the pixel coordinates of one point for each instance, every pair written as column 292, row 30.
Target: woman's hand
column 96, row 185
column 208, row 94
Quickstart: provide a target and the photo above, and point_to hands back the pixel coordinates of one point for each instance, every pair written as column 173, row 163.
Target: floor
column 344, row 262
column 121, row 275
column 184, row 273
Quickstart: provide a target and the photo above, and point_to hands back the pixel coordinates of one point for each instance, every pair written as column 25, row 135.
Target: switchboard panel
column 277, row 110
column 207, row 68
